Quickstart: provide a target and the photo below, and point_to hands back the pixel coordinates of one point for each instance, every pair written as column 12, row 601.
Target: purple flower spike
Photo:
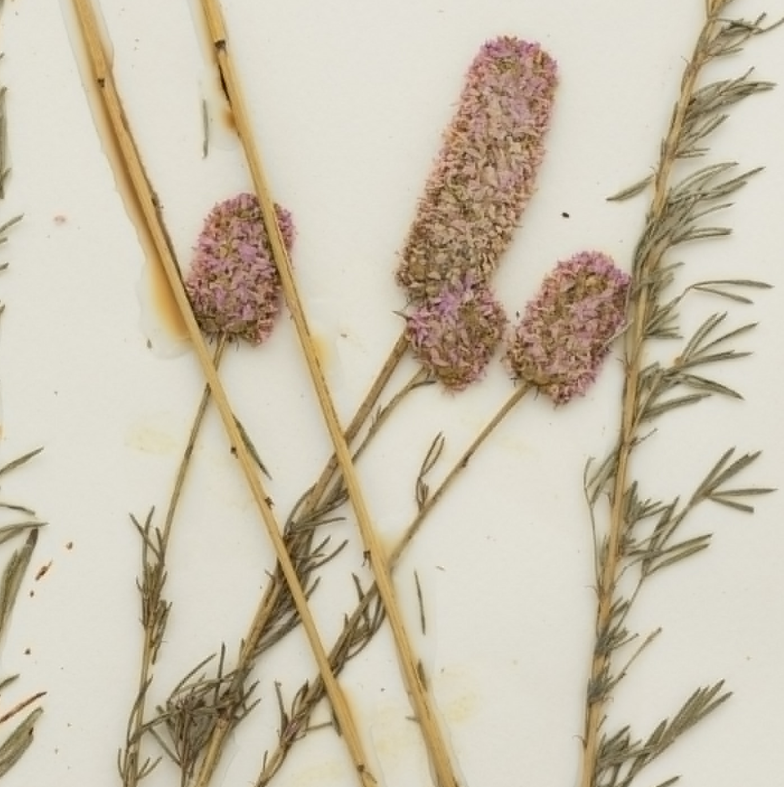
column 233, row 284
column 455, row 333
column 485, row 173
column 566, row 331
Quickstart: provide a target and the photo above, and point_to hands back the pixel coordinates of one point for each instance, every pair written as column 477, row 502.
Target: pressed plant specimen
column 509, row 92
column 636, row 535
column 453, row 325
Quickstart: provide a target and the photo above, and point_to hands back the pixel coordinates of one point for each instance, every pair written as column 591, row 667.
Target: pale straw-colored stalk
column 107, row 90
column 425, row 714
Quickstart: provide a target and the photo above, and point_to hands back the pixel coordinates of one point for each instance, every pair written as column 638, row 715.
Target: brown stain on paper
column 160, row 292
column 323, row 348
column 162, row 296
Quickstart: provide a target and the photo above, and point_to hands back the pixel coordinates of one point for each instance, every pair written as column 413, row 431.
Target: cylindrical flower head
column 233, row 284
column 566, row 330
column 455, row 333
column 485, row 173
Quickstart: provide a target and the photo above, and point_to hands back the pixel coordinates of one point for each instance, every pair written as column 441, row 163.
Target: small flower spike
column 233, row 284
column 455, row 333
column 566, row 330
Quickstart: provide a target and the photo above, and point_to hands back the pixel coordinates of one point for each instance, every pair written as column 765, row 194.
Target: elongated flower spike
column 565, row 332
column 455, row 333
column 486, row 170
column 233, row 284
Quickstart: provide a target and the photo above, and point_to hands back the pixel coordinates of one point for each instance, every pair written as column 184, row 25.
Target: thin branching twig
column 643, row 534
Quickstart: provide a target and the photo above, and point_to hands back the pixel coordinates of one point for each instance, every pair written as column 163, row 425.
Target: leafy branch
column 676, row 215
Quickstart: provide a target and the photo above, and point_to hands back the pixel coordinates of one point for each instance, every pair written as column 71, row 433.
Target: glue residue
column 160, row 318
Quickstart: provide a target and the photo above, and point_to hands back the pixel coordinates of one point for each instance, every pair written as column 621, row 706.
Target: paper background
column 349, row 100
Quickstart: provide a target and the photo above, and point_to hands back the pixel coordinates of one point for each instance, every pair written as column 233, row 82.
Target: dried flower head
column 566, row 331
column 233, row 284
column 455, row 333
column 486, row 170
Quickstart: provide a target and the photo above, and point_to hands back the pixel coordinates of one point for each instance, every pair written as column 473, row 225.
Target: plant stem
column 457, row 468
column 152, row 587
column 362, row 414
column 267, row 605
column 182, row 470
column 149, row 206
column 20, row 706
column 340, row 652
column 432, row 734
column 644, row 267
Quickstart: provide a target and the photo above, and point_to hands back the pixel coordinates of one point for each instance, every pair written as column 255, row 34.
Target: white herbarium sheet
column 348, row 102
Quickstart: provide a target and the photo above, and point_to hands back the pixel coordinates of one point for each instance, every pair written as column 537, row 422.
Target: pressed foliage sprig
column 643, row 534
column 23, row 523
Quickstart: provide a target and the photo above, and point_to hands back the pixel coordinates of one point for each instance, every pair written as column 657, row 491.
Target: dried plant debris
column 19, row 522
column 637, row 535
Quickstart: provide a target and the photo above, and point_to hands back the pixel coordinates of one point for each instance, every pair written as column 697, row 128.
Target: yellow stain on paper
column 150, row 439
column 324, row 773
column 457, row 700
column 162, row 299
column 456, row 690
column 323, row 348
